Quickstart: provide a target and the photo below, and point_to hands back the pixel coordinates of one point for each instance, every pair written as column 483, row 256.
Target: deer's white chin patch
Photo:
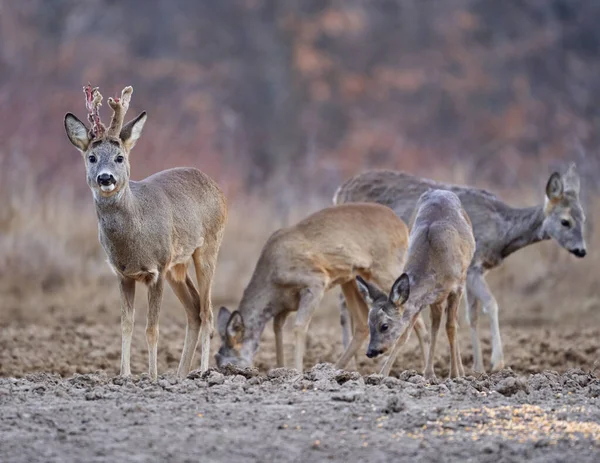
column 108, row 188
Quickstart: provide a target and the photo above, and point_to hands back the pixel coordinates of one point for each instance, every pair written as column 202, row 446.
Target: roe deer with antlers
column 151, row 229
column 499, row 231
column 298, row 264
column 441, row 246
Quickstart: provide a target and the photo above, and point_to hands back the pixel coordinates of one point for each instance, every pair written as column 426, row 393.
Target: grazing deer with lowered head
column 298, row 264
column 151, row 229
column 441, row 246
column 499, row 230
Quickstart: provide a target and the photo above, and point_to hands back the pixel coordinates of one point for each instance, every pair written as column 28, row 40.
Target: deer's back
column 188, row 199
column 401, row 191
column 339, row 239
column 441, row 239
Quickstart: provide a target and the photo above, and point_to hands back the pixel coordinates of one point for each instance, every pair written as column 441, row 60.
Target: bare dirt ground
column 77, row 409
column 64, row 334
column 321, row 415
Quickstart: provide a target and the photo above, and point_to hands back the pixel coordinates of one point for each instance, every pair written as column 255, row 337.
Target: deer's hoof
column 429, row 376
column 497, row 366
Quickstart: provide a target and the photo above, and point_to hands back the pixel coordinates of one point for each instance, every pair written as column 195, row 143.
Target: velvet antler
column 119, row 107
column 93, row 101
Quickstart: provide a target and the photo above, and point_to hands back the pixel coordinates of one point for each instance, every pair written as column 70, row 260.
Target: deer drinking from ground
column 151, row 229
column 298, row 264
column 441, row 246
column 499, row 231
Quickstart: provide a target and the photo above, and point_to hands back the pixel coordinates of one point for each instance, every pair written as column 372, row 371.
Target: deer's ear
column 554, row 187
column 222, row 319
column 369, row 291
column 400, row 290
column 131, row 132
column 77, row 132
column 363, row 287
column 235, row 329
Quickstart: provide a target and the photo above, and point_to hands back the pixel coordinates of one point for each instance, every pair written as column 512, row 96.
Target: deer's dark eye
column 384, row 328
column 92, row 158
column 119, row 159
column 565, row 223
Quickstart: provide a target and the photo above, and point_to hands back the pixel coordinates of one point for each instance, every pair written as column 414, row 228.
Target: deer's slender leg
column 435, row 311
column 345, row 321
column 347, row 327
column 357, row 353
column 473, row 305
column 310, row 298
column 497, row 351
column 480, row 290
column 423, row 337
column 188, row 296
column 461, row 368
column 408, row 319
column 155, row 293
column 359, row 313
column 127, row 291
column 451, row 326
column 278, row 323
column 197, row 318
column 205, row 262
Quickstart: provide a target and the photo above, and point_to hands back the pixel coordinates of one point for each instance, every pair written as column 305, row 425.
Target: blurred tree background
column 309, row 90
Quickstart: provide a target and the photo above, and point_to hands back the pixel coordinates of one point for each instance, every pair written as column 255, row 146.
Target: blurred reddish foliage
column 321, row 89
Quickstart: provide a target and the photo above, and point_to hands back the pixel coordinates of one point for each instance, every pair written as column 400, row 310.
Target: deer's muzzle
column 106, row 179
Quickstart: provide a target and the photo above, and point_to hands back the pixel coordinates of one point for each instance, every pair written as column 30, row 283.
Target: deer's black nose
column 105, row 179
column 372, row 353
column 579, row 252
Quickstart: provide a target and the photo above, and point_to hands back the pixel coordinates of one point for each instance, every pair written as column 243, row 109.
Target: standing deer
column 441, row 246
column 152, row 229
column 298, row 264
column 499, row 231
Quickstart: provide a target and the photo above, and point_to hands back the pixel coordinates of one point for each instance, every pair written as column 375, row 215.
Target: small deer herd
column 151, row 230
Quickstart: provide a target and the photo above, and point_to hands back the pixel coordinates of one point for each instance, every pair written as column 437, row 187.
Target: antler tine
column 119, row 107
column 93, row 101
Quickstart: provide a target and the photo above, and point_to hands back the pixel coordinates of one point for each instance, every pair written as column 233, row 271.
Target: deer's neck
column 117, row 220
column 256, row 311
column 121, row 203
column 525, row 227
